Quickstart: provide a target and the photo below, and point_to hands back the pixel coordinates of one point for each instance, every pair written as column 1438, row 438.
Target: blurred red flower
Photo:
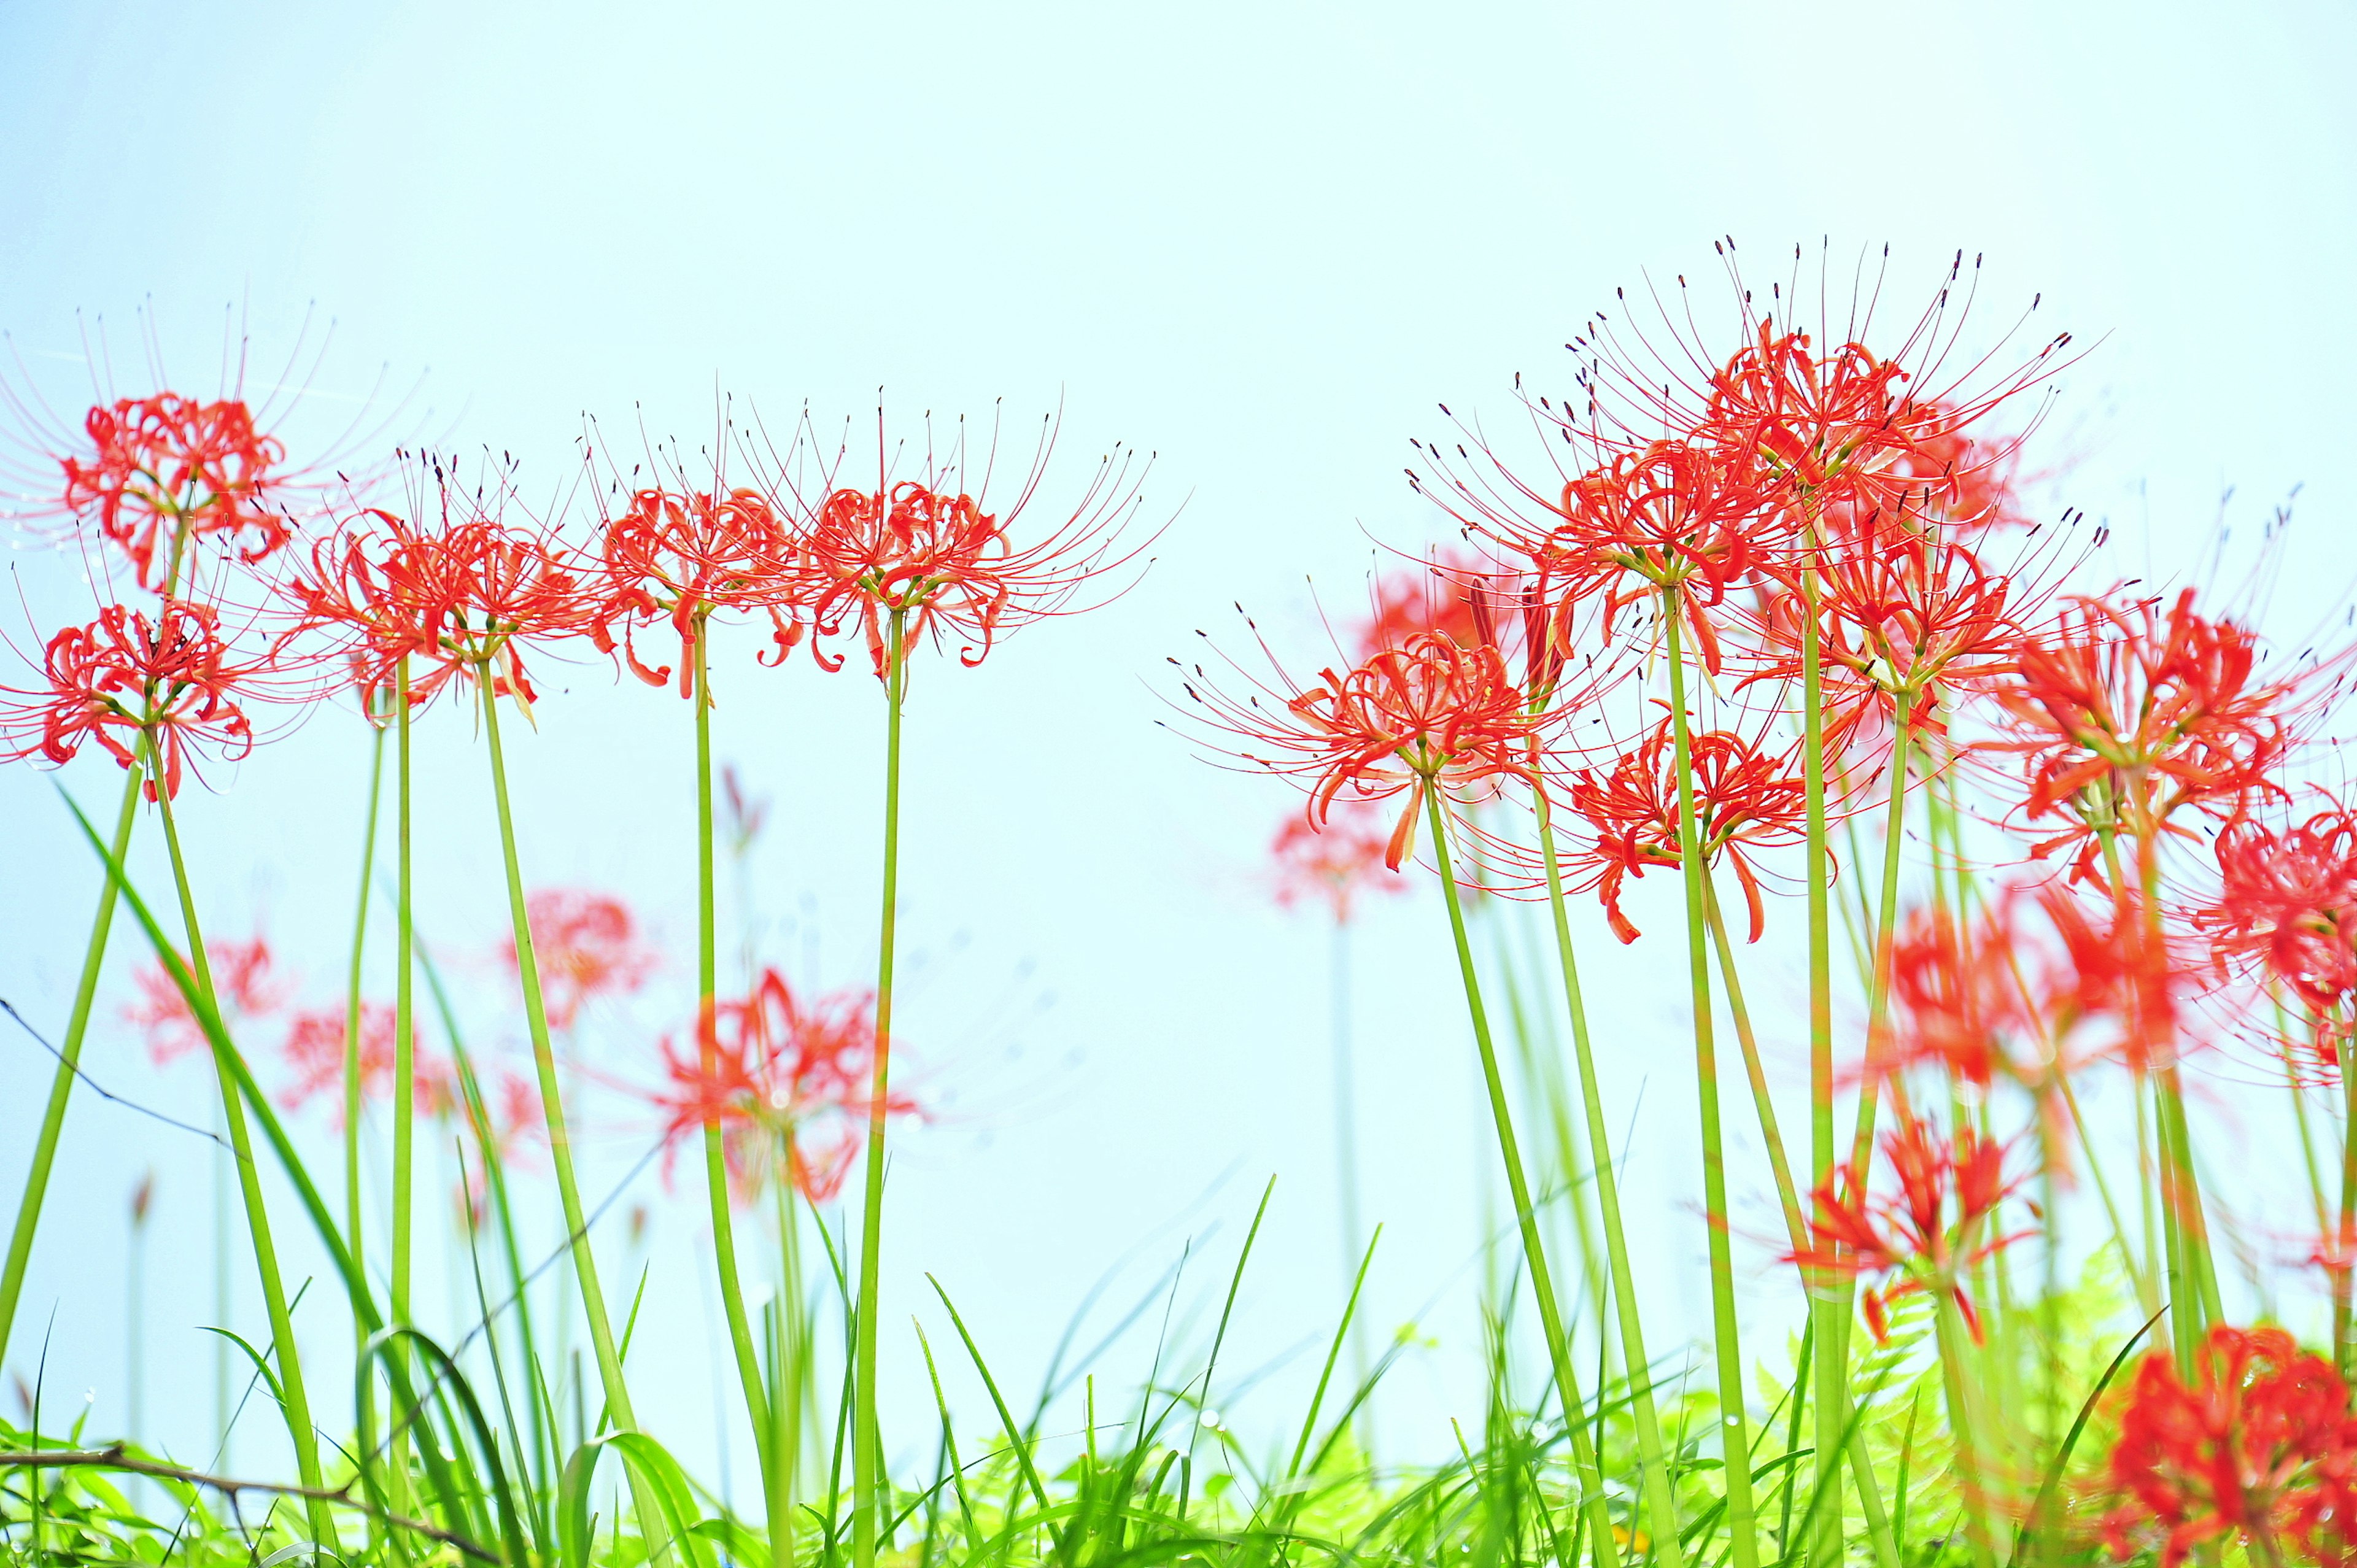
column 786, row 1082
column 587, row 946
column 247, row 984
column 1332, row 864
column 2259, row 1446
column 314, row 1053
column 1924, row 1239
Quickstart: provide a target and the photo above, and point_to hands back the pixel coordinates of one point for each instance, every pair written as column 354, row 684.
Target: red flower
column 461, row 599
column 586, row 945
column 1744, row 799
column 1330, row 865
column 1673, row 514
column 1903, row 610
column 1431, row 713
column 927, row 550
column 246, row 984
column 165, row 469
column 381, row 591
column 2259, row 1447
column 2124, row 715
column 785, row 1081
column 679, row 556
column 314, row 1051
column 124, row 678
column 1925, row 1239
column 2287, row 902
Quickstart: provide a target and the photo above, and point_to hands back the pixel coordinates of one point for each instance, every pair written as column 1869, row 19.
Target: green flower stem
column 1591, row 1479
column 716, row 1152
column 405, row 1022
column 62, row 1080
column 789, row 1384
column 1826, row 1312
column 353, row 1229
column 1346, row 1144
column 866, row 1459
column 1954, row 1344
column 1734, row 1434
column 353, row 1103
column 297, row 1401
column 1661, row 1494
column 1788, row 1197
column 622, row 1417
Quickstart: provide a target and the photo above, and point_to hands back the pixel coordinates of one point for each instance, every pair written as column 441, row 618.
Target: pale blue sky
column 1259, row 239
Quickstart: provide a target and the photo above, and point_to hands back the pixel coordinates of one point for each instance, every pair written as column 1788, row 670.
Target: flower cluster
column 2257, row 1446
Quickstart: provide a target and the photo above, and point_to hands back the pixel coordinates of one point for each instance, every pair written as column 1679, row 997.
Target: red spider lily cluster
column 2257, row 1447
column 785, row 1080
column 1813, row 622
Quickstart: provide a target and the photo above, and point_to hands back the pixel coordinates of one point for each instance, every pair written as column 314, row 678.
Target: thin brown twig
column 116, row 1458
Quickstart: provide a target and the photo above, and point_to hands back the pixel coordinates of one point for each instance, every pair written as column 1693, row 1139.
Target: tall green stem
column 1734, row 1428
column 1346, row 1148
column 715, row 1149
column 1827, row 1311
column 404, row 1019
column 352, row 1101
column 866, row 1457
column 560, row 1143
column 1566, row 1375
column 62, row 1080
column 1661, row 1497
column 297, row 1401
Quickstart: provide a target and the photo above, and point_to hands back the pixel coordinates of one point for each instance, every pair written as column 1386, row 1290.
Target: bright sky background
column 1261, row 241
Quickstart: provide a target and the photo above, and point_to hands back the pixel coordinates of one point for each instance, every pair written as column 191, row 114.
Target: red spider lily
column 2124, row 715
column 2287, row 903
column 246, row 984
column 2259, row 1447
column 1431, row 713
column 162, row 471
column 1828, row 423
column 381, row 591
column 1332, row 864
column 124, row 679
column 933, row 554
column 1745, row 799
column 460, row 597
column 1672, row 515
column 679, row 556
column 586, row 945
column 1904, row 611
column 786, row 1082
column 1928, row 1237
column 313, row 1052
